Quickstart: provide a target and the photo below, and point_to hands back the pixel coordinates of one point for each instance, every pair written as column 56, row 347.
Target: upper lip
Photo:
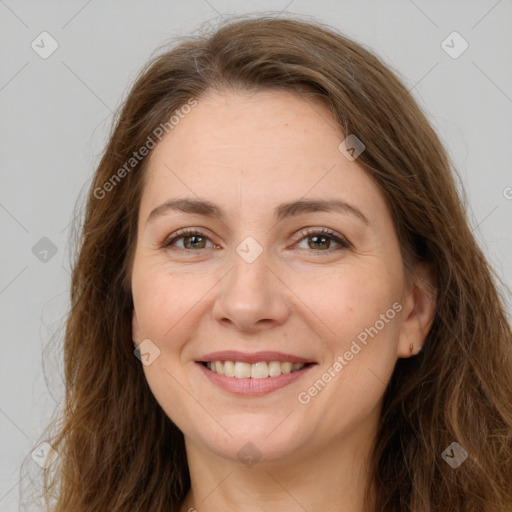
column 256, row 357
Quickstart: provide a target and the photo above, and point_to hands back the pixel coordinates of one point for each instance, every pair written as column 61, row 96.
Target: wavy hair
column 118, row 451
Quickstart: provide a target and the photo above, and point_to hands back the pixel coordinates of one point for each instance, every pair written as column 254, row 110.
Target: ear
column 418, row 312
column 135, row 330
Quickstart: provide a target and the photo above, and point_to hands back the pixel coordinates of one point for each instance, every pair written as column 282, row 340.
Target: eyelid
column 308, row 231
column 341, row 240
column 184, row 232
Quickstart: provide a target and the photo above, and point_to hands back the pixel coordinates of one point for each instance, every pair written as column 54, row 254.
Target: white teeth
column 274, row 368
column 229, row 368
column 286, row 367
column 219, row 367
column 242, row 370
column 260, row 370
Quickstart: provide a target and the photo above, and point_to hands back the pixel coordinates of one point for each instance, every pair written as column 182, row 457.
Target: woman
column 275, row 233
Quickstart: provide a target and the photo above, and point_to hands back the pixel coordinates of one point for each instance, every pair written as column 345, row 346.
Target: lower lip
column 253, row 387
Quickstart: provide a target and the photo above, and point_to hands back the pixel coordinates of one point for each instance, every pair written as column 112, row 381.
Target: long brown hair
column 118, row 451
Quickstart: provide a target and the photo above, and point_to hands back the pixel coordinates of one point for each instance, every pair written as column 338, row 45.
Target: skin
column 249, row 153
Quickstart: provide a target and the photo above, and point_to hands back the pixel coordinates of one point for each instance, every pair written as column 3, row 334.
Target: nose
column 252, row 297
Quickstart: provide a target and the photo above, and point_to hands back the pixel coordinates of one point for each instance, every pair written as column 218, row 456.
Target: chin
column 268, row 440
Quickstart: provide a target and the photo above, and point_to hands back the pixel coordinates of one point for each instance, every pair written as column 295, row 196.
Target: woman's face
column 270, row 278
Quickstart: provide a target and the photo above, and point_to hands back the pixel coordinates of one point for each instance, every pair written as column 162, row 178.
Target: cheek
column 345, row 300
column 362, row 310
column 164, row 302
column 353, row 299
column 165, row 298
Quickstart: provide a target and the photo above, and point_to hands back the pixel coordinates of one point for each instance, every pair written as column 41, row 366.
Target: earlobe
column 419, row 313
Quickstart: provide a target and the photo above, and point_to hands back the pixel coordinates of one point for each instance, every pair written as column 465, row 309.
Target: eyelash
column 305, row 233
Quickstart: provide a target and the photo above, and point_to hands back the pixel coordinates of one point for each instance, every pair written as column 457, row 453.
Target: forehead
column 263, row 147
column 257, row 123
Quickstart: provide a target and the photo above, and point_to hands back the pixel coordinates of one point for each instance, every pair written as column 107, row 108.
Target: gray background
column 55, row 115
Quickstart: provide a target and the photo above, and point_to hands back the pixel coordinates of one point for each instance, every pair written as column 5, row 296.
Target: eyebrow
column 284, row 210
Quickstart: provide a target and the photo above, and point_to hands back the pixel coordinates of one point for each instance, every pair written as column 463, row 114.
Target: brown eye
column 320, row 240
column 191, row 240
column 195, row 242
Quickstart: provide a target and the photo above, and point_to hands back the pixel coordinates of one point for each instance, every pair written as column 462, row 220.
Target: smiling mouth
column 260, row 370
